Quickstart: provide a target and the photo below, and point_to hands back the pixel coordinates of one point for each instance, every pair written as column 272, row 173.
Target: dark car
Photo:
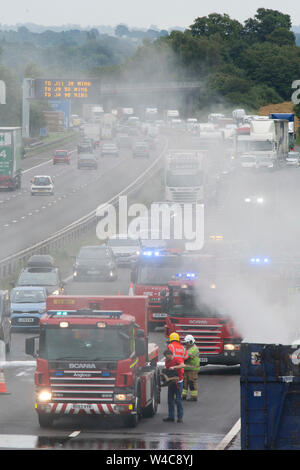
column 5, row 325
column 87, row 160
column 95, row 262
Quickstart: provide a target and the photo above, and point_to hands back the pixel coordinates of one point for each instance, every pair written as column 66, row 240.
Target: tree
column 264, row 23
column 122, row 30
column 216, row 24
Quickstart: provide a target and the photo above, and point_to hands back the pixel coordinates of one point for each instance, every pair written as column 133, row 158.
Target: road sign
column 62, row 89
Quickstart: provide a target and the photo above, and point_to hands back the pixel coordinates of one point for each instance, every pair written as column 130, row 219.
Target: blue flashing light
column 62, row 314
column 186, row 275
column 260, row 260
column 151, row 253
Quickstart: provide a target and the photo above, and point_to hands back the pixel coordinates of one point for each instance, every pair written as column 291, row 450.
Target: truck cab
column 94, row 358
column 192, row 309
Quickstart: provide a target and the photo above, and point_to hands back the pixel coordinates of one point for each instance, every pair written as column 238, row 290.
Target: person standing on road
column 177, row 349
column 192, row 367
column 175, row 387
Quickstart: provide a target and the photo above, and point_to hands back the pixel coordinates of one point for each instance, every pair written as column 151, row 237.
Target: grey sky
column 139, row 13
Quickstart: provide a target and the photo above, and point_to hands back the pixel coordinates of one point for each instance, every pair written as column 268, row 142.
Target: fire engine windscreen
column 155, row 274
column 184, row 303
column 93, row 344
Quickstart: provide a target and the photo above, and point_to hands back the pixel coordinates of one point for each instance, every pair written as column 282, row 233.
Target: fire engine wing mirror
column 140, row 347
column 30, row 346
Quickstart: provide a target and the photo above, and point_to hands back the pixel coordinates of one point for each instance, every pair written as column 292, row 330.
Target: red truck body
column 215, row 334
column 106, row 372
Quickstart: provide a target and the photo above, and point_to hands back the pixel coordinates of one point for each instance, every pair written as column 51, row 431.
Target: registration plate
column 203, row 359
column 82, row 406
column 26, row 320
column 93, row 272
column 159, row 315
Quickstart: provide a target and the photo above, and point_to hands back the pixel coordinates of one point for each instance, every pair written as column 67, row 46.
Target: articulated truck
column 94, row 358
column 10, row 157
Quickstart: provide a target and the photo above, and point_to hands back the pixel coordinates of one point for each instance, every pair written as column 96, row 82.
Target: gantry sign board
column 62, row 89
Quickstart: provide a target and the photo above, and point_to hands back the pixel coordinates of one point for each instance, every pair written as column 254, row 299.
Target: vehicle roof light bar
column 86, row 313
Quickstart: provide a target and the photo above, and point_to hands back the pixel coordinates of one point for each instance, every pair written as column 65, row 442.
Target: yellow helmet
column 174, row 337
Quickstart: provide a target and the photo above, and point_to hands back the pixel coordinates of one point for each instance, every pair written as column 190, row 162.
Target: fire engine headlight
column 229, row 347
column 123, row 397
column 44, row 396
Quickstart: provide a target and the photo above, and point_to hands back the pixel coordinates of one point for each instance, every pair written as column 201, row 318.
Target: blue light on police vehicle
column 61, row 313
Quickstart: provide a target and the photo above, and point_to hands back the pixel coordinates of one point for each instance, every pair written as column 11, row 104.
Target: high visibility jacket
column 178, row 350
column 193, row 361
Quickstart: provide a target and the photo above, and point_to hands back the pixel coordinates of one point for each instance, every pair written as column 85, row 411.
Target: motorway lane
column 77, row 193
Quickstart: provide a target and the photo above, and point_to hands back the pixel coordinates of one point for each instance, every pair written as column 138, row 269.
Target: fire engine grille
column 82, row 386
column 208, row 338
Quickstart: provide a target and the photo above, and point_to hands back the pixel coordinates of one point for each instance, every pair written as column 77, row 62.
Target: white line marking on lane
column 74, row 434
column 229, row 436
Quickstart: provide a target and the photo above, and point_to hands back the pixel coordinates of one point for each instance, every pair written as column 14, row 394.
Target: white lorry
column 184, row 176
column 107, row 126
column 267, row 140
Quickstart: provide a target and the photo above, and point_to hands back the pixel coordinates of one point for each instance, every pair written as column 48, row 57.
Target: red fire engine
column 188, row 312
column 94, row 358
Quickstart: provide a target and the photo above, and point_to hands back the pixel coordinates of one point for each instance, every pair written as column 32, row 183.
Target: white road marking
column 229, row 436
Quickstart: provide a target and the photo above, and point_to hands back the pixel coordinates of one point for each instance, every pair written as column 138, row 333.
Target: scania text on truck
column 94, row 358
column 10, row 157
column 184, row 176
column 216, row 337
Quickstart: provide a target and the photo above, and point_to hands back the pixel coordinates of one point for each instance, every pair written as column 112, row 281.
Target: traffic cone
column 131, row 289
column 119, row 293
column 3, row 390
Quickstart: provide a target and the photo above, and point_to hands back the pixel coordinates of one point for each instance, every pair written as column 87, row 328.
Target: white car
column 293, row 159
column 42, row 184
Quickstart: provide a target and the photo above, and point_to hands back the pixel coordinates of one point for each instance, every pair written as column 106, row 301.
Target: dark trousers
column 174, row 398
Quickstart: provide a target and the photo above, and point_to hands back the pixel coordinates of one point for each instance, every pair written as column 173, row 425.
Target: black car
column 5, row 324
column 95, row 262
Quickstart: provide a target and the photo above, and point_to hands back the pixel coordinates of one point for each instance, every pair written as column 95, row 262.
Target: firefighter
column 175, row 364
column 178, row 350
column 192, row 367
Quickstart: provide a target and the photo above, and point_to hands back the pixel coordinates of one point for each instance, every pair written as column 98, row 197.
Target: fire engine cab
column 94, row 358
column 191, row 309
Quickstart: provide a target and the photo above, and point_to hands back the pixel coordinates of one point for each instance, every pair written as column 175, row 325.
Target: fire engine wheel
column 131, row 421
column 45, row 421
column 151, row 409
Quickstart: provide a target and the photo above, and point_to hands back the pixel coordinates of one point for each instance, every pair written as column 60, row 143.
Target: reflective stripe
column 178, row 350
column 133, row 364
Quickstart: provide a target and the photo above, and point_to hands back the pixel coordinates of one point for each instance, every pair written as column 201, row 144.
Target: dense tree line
column 247, row 65
column 250, row 64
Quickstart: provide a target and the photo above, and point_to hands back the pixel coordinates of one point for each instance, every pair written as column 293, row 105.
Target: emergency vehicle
column 94, row 358
column 150, row 275
column 192, row 310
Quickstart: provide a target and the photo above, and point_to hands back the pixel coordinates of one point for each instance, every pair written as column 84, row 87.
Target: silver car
column 125, row 249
